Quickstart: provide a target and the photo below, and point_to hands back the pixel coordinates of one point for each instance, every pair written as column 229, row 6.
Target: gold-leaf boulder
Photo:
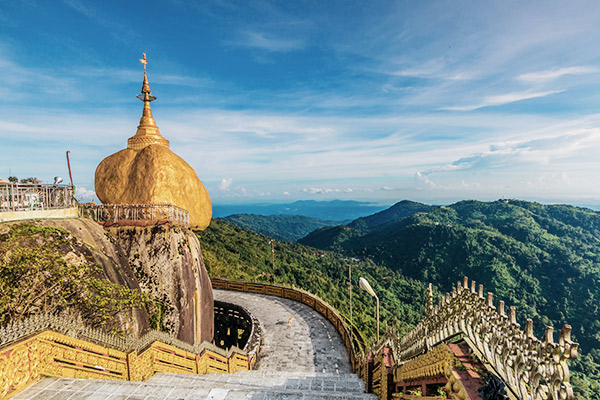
column 148, row 172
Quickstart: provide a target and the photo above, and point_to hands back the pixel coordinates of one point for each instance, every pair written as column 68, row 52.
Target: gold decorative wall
column 26, row 357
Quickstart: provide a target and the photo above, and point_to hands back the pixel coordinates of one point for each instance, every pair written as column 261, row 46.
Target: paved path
column 307, row 343
column 301, row 359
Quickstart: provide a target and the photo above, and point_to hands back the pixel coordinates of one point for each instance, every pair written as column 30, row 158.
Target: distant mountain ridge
column 335, row 210
column 332, row 237
column 283, row 227
column 402, row 209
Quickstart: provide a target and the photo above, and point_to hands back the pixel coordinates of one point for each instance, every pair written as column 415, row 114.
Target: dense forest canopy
column 282, row 227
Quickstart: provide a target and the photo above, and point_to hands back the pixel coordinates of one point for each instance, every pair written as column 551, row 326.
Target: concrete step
column 242, row 385
column 245, row 380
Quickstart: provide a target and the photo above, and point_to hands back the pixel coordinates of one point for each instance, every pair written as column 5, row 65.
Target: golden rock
column 148, row 172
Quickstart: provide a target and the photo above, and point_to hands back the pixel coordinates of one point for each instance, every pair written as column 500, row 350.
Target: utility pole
column 69, row 166
column 273, row 256
column 350, row 291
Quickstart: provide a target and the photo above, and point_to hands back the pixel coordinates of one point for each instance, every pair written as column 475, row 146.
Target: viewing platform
column 20, row 201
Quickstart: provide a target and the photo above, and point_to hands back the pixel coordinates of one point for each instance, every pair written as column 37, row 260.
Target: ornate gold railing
column 47, row 345
column 124, row 214
column 532, row 369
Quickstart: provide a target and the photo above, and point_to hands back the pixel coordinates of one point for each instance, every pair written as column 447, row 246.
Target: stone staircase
column 297, row 342
column 257, row 385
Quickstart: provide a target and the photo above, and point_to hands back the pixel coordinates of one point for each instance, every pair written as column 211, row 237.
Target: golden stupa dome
column 148, row 172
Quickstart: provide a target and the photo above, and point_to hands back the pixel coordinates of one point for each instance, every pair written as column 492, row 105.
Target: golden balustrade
column 46, row 345
column 532, row 369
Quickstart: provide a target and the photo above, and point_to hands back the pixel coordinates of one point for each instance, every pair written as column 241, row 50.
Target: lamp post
column 364, row 285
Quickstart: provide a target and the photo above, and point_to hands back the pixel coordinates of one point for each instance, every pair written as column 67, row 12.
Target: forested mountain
column 283, row 227
column 236, row 253
column 544, row 259
column 400, row 210
column 330, row 237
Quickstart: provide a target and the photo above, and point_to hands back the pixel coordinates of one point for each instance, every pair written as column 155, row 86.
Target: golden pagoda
column 148, row 172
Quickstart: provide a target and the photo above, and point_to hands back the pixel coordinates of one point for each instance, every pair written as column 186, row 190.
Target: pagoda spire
column 147, row 131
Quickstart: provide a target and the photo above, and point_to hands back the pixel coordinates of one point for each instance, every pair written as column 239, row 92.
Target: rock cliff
column 167, row 262
column 163, row 261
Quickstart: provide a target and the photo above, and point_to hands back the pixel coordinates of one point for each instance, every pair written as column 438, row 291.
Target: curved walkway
column 306, row 343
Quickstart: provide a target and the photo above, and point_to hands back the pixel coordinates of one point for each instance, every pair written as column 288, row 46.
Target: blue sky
column 288, row 100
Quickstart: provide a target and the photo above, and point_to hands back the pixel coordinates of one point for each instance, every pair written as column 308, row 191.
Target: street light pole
column 364, row 285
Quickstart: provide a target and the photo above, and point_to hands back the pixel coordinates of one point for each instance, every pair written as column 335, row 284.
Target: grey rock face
column 167, row 262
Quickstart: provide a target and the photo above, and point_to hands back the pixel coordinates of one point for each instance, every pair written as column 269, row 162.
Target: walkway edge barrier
column 47, row 345
column 352, row 338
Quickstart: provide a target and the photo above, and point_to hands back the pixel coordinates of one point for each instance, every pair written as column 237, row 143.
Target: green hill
column 400, row 210
column 544, row 259
column 331, row 237
column 236, row 253
column 283, row 227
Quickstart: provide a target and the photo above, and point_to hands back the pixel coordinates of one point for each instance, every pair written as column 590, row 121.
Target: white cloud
column 422, row 182
column 225, row 184
column 512, row 154
column 270, row 42
column 286, row 193
column 502, row 99
column 316, row 190
column 84, row 195
column 548, row 75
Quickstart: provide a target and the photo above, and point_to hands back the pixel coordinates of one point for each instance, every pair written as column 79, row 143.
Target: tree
column 32, row 180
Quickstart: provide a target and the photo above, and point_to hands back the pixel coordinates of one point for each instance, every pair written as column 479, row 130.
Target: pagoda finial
column 146, row 92
column 147, row 132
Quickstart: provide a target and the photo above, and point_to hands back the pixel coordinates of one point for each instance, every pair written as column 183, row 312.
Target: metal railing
column 116, row 213
column 29, row 197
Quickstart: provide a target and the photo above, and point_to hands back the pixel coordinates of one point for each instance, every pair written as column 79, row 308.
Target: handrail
column 127, row 213
column 27, row 197
column 532, row 369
